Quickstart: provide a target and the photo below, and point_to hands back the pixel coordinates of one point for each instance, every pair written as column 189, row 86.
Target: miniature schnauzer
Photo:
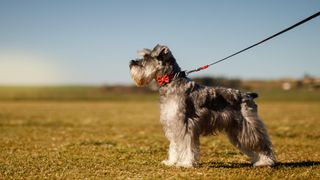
column 188, row 110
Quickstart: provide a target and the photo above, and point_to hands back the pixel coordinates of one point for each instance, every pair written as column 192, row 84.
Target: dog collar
column 166, row 79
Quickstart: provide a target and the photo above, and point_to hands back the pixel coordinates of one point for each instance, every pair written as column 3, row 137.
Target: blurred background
column 89, row 43
column 69, row 109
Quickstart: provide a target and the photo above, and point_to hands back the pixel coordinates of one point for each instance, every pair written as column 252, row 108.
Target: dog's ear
column 161, row 52
column 144, row 52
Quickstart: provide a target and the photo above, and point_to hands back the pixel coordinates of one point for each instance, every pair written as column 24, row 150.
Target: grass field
column 119, row 138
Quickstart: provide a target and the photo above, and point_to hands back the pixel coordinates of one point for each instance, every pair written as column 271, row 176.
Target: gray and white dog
column 188, row 110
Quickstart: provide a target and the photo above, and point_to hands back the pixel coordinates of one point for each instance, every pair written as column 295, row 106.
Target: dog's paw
column 264, row 164
column 185, row 165
column 265, row 161
column 167, row 162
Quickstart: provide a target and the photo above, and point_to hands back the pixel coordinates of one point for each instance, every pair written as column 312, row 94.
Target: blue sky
column 91, row 42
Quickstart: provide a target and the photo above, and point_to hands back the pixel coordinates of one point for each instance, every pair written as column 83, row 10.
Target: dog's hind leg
column 253, row 137
column 253, row 142
column 233, row 138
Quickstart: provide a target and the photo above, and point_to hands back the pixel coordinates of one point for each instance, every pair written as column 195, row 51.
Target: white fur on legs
column 182, row 154
column 264, row 160
column 188, row 151
column 173, row 155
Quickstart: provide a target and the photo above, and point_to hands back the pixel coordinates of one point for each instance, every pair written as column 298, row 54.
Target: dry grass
column 119, row 139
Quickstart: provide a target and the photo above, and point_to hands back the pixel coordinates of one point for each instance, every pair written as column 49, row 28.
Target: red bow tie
column 162, row 80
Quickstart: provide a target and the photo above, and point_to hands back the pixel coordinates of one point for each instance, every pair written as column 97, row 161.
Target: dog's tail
column 252, row 95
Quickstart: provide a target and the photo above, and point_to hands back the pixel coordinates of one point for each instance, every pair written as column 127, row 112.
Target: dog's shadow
column 279, row 165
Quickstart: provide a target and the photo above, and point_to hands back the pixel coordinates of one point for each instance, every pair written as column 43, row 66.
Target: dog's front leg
column 172, row 154
column 188, row 151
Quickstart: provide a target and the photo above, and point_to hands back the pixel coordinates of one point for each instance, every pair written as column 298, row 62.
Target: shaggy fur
column 188, row 110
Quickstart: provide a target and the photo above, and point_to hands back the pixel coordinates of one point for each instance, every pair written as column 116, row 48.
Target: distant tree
column 218, row 81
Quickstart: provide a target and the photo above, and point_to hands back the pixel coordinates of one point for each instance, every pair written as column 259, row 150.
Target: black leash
column 273, row 36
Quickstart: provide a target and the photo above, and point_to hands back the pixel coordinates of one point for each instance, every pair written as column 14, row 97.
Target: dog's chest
column 169, row 110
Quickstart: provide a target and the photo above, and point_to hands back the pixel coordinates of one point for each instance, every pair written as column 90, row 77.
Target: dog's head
column 155, row 62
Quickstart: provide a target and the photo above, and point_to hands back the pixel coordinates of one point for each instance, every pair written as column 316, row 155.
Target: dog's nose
column 133, row 62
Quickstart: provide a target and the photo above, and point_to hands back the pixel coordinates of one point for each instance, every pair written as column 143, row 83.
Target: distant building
column 312, row 83
column 307, row 82
column 286, row 86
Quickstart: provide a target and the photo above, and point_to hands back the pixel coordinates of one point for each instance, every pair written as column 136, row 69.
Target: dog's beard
column 142, row 76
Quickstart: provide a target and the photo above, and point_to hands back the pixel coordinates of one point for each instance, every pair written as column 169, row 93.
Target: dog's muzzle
column 133, row 63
